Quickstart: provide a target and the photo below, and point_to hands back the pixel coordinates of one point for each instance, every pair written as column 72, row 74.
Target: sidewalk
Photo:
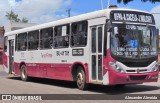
column 2, row 72
column 1, row 68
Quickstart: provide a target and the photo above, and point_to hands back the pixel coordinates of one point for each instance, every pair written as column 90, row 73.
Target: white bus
column 109, row 47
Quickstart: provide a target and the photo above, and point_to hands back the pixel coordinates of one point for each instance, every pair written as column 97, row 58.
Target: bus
column 113, row 46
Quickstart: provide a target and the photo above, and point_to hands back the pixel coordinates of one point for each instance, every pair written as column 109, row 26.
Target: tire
column 24, row 73
column 81, row 79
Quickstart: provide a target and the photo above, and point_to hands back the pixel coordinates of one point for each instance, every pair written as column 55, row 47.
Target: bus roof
column 87, row 16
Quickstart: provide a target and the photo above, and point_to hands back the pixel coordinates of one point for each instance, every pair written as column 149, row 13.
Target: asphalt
column 2, row 72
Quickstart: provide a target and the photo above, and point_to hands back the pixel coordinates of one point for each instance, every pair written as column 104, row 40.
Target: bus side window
column 46, row 38
column 61, row 36
column 79, row 34
column 21, row 42
column 33, row 40
column 5, row 43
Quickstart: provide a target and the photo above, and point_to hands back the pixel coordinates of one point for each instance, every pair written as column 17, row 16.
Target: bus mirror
column 109, row 26
column 115, row 30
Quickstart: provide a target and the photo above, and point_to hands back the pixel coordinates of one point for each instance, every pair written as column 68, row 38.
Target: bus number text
column 62, row 53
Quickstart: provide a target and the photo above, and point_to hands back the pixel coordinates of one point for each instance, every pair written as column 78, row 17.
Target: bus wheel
column 24, row 73
column 81, row 79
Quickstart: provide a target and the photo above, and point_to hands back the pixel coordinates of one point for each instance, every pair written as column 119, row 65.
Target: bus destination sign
column 129, row 16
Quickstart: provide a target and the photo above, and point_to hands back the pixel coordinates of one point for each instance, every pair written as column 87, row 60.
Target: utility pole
column 102, row 4
column 108, row 3
column 69, row 12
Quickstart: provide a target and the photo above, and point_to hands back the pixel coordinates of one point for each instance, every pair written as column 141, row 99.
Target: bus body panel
column 5, row 62
column 48, row 63
column 118, row 78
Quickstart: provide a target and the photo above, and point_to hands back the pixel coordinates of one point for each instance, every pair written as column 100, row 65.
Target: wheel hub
column 79, row 79
column 23, row 73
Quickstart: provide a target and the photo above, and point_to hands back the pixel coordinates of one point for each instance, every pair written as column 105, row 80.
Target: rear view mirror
column 115, row 30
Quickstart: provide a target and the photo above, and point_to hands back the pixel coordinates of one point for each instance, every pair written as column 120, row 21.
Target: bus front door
column 11, row 56
column 96, row 52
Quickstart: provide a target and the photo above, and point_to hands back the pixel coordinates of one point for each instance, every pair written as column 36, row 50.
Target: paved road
column 13, row 85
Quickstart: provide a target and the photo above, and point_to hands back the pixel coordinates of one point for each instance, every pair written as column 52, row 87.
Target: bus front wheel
column 81, row 79
column 24, row 73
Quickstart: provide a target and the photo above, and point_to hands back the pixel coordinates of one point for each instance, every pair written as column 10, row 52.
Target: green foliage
column 24, row 20
column 14, row 17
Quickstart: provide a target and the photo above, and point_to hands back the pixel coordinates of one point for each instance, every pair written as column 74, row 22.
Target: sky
column 41, row 11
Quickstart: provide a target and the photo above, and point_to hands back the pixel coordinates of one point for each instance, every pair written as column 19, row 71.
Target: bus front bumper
column 124, row 78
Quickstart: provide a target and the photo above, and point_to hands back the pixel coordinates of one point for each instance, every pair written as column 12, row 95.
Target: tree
column 14, row 17
column 24, row 20
column 127, row 1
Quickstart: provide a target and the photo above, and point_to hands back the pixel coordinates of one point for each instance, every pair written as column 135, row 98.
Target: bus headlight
column 155, row 68
column 116, row 67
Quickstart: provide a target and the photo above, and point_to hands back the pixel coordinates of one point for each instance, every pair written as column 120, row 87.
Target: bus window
column 5, row 43
column 61, row 36
column 46, row 38
column 100, row 39
column 22, row 42
column 33, row 40
column 93, row 40
column 79, row 34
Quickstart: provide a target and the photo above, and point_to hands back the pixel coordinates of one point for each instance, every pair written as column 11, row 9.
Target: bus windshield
column 133, row 41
